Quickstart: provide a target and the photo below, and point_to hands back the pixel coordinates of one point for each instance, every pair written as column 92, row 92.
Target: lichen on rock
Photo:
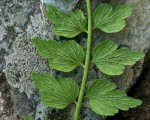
column 20, row 21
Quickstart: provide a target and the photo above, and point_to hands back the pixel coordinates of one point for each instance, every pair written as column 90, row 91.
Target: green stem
column 87, row 62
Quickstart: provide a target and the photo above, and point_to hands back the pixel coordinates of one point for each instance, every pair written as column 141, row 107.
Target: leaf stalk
column 87, row 62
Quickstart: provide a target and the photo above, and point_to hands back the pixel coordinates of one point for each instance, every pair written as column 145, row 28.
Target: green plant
column 28, row 118
column 65, row 56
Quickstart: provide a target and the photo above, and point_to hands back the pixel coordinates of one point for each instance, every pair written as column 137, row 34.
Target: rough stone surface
column 22, row 20
column 134, row 36
column 65, row 5
column 140, row 90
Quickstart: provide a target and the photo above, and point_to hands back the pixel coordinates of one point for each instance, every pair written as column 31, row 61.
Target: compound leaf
column 63, row 56
column 106, row 100
column 111, row 61
column 56, row 93
column 28, row 118
column 111, row 21
column 67, row 25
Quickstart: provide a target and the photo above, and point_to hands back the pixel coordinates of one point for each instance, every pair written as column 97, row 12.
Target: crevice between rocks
column 5, row 98
column 140, row 90
column 13, row 104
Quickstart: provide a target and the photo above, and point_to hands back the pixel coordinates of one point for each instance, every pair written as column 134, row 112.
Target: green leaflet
column 64, row 56
column 28, row 118
column 111, row 61
column 67, row 25
column 67, row 55
column 56, row 93
column 111, row 21
column 106, row 100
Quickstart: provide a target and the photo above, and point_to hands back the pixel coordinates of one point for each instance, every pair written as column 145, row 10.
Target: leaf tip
column 34, row 75
column 33, row 39
column 29, row 117
column 138, row 102
column 142, row 55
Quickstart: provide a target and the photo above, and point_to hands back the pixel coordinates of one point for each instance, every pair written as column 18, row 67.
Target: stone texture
column 134, row 36
column 20, row 21
column 140, row 90
column 65, row 5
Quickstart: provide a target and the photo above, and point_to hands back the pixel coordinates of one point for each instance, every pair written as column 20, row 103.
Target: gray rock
column 41, row 111
column 65, row 5
column 20, row 21
column 140, row 90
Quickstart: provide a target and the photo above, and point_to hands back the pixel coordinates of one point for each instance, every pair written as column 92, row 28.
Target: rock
column 41, row 111
column 20, row 21
column 65, row 5
column 140, row 90
column 5, row 100
column 134, row 36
